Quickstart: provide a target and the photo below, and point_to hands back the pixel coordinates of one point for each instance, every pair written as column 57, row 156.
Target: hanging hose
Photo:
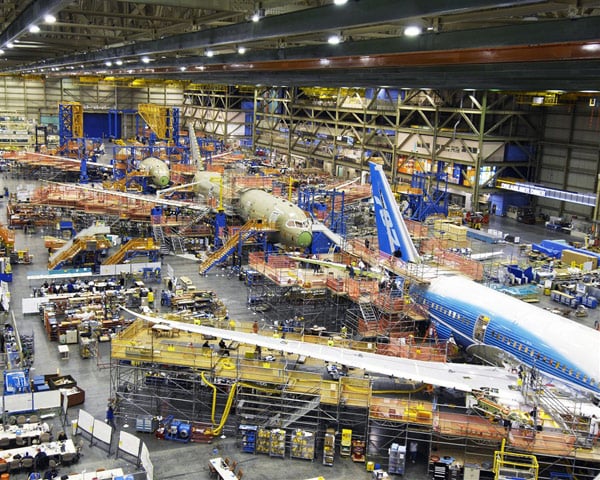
column 217, row 430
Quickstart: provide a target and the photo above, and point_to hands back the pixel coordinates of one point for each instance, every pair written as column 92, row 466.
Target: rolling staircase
column 76, row 245
column 131, row 247
column 248, row 229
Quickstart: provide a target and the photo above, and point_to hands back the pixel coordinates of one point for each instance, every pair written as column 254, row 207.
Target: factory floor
column 172, row 459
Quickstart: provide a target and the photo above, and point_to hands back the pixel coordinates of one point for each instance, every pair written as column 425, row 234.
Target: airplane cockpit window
column 297, row 223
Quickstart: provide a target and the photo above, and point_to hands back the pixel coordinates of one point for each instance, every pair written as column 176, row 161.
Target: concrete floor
column 172, row 459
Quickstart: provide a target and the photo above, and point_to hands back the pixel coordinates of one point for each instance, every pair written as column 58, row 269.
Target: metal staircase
column 177, row 244
column 289, row 418
column 159, row 237
column 75, row 245
column 369, row 314
column 247, row 230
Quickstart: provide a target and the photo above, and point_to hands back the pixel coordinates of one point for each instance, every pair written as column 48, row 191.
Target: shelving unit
column 277, row 445
column 303, row 444
column 397, row 459
column 358, row 451
column 248, row 433
column 263, row 441
column 329, row 448
column 346, row 443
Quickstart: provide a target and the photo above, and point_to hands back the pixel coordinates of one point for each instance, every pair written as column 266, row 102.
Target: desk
column 29, row 430
column 63, row 350
column 116, row 473
column 160, row 330
column 52, row 449
column 222, row 469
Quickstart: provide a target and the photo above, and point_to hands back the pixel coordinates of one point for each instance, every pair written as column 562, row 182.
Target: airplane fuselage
column 478, row 315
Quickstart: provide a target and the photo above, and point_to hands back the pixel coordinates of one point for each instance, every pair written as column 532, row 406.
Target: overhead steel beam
column 303, row 22
column 508, row 76
column 227, row 5
column 32, row 14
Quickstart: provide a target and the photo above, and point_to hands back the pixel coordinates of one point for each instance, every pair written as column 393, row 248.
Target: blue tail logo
column 392, row 234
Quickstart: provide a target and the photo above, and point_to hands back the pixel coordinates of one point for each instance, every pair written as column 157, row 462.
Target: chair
column 79, row 447
column 27, row 463
column 227, row 461
column 52, row 464
column 44, row 437
column 67, row 458
column 34, row 419
column 4, row 442
column 240, row 474
column 100, row 470
column 21, row 441
column 21, row 420
column 14, row 466
column 3, row 467
column 212, row 471
column 233, row 466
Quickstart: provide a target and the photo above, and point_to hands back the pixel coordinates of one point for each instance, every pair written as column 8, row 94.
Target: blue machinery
column 177, row 430
column 432, row 198
column 16, row 381
column 318, row 203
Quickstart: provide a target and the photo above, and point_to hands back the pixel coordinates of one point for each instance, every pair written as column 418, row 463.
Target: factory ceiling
column 472, row 44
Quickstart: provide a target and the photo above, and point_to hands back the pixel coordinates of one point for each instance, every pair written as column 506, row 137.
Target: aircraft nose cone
column 163, row 181
column 304, row 239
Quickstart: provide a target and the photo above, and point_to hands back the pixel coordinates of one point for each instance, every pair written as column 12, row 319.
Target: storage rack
column 346, row 442
column 248, row 433
column 302, row 444
column 397, row 459
column 277, row 443
column 329, row 448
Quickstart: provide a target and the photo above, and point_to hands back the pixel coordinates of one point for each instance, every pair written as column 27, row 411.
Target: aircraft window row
column 525, row 349
column 446, row 311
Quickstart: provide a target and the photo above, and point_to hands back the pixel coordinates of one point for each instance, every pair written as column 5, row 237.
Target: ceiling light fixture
column 340, row 2
column 10, row 45
column 108, row 63
column 183, row 69
column 145, row 59
column 241, row 50
column 255, row 17
column 209, row 53
column 49, row 18
column 119, row 62
column 413, row 31
column 1, row 52
column 34, row 29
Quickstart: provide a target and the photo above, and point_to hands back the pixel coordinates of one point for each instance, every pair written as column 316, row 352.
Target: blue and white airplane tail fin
column 392, row 233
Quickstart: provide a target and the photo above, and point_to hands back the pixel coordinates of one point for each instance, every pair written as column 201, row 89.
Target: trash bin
column 74, row 427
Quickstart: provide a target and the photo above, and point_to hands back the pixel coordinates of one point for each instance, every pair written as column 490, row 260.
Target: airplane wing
column 337, row 266
column 146, row 198
column 457, row 376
